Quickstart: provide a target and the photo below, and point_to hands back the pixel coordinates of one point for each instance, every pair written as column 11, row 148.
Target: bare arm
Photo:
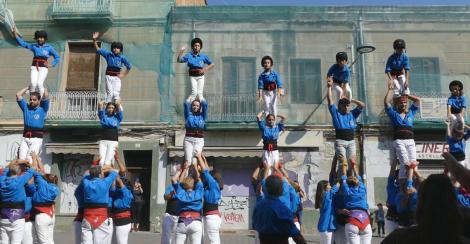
column 359, row 104
column 209, row 67
column 329, row 97
column 200, row 161
column 415, row 99
column 95, row 38
column 387, row 98
column 119, row 182
column 19, row 94
column 255, row 174
column 259, row 116
column 393, row 167
column 283, row 118
column 101, row 105
column 449, row 133
column 333, row 167
column 122, row 167
column 45, row 96
column 460, row 173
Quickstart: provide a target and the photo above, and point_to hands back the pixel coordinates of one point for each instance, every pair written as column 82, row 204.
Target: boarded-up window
column 305, row 81
column 83, row 67
column 425, row 75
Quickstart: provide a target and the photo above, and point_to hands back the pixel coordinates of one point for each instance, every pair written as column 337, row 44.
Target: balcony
column 74, row 105
column 82, row 9
column 232, row 107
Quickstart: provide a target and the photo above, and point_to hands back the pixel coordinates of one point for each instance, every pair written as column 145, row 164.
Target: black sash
column 403, row 133
column 345, row 134
column 110, row 134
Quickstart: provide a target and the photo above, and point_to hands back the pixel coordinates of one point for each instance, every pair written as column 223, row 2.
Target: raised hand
column 96, row 35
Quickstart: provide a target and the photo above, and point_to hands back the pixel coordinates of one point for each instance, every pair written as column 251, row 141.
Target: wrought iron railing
column 232, row 107
column 74, row 105
column 82, row 7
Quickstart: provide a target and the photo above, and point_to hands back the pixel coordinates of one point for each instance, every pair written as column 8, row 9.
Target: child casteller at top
column 398, row 69
column 113, row 72
column 340, row 74
column 196, row 60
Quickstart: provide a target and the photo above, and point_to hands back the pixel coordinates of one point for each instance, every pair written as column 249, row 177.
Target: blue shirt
column 393, row 187
column 45, row 192
column 327, row 221
column 28, row 203
column 463, row 200
column 266, row 78
column 189, row 200
column 110, row 122
column 169, row 190
column 114, row 61
column 211, row 189
column 272, row 217
column 96, row 190
column 397, row 62
column 270, row 133
column 34, row 117
column 457, row 146
column 412, row 202
column 397, row 120
column 12, row 188
column 457, row 102
column 289, row 196
column 354, row 197
column 195, row 61
column 344, row 121
column 122, row 198
column 40, row 51
column 340, row 74
column 195, row 121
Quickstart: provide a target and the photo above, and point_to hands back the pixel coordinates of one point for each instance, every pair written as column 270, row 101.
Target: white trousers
column 192, row 146
column 107, row 151
column 193, row 231
column 340, row 93
column 169, row 228
column 28, row 233
column 77, row 230
column 339, row 236
column 211, row 228
column 44, row 228
column 455, row 121
column 270, row 157
column 399, row 86
column 326, row 237
column 406, row 154
column 101, row 235
column 356, row 236
column 197, row 87
column 38, row 76
column 11, row 233
column 121, row 234
column 390, row 226
column 291, row 241
column 29, row 145
column 270, row 102
column 113, row 88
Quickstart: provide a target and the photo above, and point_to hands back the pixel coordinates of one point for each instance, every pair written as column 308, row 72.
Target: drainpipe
column 362, row 72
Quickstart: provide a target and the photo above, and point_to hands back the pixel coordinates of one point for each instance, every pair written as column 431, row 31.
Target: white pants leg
column 326, row 237
column 212, row 227
column 44, row 226
column 29, row 145
column 38, row 76
column 28, row 233
column 121, row 234
column 339, row 91
column 107, row 149
column 455, row 121
column 270, row 102
column 11, row 233
column 113, row 88
column 339, row 236
column 33, row 86
column 390, row 226
column 193, row 81
column 270, row 158
column 193, row 231
column 192, row 145
column 400, row 147
column 110, row 231
column 200, row 87
column 77, row 230
column 169, row 228
column 356, row 236
column 101, row 235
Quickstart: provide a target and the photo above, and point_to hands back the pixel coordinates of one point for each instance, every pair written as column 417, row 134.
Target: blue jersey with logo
column 457, row 102
column 397, row 62
column 34, row 117
column 195, row 61
column 114, row 61
column 396, row 118
column 340, row 74
column 344, row 121
column 40, row 51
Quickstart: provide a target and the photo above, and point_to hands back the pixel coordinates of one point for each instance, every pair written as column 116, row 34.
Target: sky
column 339, row 2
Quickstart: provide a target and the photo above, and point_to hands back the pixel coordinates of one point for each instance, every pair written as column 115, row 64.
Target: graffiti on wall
column 9, row 148
column 234, row 212
column 73, row 168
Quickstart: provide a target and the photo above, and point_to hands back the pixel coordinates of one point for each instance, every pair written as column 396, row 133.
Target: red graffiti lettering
column 233, row 218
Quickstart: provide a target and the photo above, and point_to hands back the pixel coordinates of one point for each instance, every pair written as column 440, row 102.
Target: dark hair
column 437, row 213
column 111, row 103
column 51, row 178
column 34, row 93
column 270, row 115
column 200, row 107
column 95, row 171
column 399, row 43
column 267, row 58
column 344, row 101
column 117, row 45
column 196, row 40
column 456, row 83
column 321, row 187
column 127, row 183
column 40, row 33
column 218, row 177
column 274, row 186
column 341, row 56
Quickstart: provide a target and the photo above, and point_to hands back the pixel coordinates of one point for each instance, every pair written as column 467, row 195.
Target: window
column 425, row 75
column 239, row 75
column 305, row 78
column 83, row 67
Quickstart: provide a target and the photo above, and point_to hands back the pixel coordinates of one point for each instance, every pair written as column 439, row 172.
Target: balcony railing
column 228, row 108
column 64, row 8
column 74, row 105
